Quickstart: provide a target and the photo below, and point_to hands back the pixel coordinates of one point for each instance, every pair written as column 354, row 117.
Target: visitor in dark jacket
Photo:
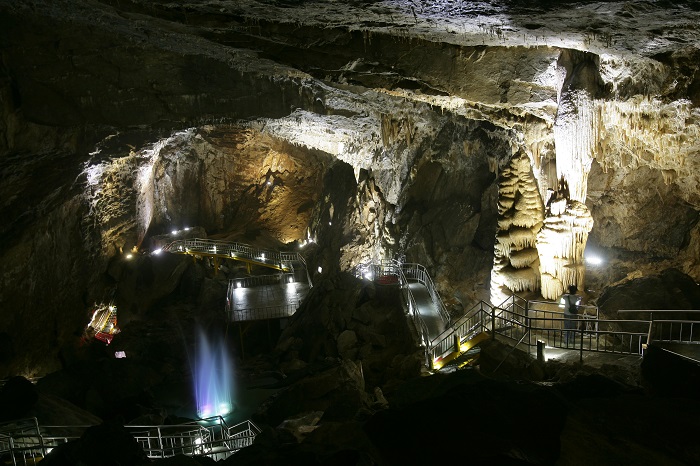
column 570, row 302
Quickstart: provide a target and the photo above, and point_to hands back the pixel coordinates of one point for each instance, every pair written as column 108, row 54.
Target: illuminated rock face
column 221, row 179
column 576, row 127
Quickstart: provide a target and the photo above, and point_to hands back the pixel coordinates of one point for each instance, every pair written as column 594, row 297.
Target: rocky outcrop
column 342, row 317
column 671, row 289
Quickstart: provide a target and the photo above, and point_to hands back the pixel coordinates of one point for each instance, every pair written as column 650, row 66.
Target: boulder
column 105, row 444
column 670, row 289
column 347, row 342
column 338, row 391
column 300, row 426
column 17, row 397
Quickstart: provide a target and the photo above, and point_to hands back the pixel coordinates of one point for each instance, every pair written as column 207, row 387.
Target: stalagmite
column 560, row 244
column 520, row 215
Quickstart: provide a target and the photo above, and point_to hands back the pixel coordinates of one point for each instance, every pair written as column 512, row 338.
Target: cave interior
column 507, row 147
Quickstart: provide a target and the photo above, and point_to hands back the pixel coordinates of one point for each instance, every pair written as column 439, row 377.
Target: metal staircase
column 24, row 441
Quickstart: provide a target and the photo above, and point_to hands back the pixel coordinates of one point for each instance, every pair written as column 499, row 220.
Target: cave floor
column 593, row 359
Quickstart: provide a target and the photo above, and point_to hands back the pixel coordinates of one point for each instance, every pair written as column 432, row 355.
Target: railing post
column 493, row 323
column 527, row 325
column 651, row 324
column 580, row 356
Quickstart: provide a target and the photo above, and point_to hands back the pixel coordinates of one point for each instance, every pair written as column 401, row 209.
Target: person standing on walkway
column 570, row 302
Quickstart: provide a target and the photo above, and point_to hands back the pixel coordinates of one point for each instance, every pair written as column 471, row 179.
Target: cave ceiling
column 377, row 84
column 427, row 102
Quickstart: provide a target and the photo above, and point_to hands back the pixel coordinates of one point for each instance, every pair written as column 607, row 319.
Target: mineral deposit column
column 562, row 239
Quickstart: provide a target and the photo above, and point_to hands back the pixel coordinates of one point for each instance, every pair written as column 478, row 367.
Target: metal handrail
column 275, row 311
column 394, row 268
column 234, row 250
column 206, row 437
column 423, row 278
column 591, row 338
column 685, row 331
column 261, row 280
column 464, row 329
column 262, row 313
column 515, row 319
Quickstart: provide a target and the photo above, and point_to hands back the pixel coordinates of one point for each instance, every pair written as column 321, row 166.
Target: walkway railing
column 271, row 308
column 474, row 322
column 224, row 249
column 24, row 441
column 528, row 321
column 392, row 268
column 663, row 329
column 279, row 311
column 261, row 280
column 516, row 320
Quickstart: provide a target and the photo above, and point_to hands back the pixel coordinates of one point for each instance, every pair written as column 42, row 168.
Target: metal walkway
column 523, row 322
column 526, row 322
column 24, row 441
column 427, row 309
column 217, row 250
column 265, row 297
column 256, row 297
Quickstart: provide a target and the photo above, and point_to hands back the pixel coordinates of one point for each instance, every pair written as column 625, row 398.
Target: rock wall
column 73, row 250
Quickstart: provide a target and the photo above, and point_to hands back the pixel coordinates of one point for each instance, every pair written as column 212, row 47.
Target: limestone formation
column 520, row 215
column 561, row 243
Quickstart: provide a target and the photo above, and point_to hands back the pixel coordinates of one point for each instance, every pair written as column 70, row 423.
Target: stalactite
column 519, row 279
column 575, row 135
column 669, row 176
column 644, row 131
column 493, row 164
column 524, row 257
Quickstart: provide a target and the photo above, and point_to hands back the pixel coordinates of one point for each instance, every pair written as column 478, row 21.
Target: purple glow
column 213, row 381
